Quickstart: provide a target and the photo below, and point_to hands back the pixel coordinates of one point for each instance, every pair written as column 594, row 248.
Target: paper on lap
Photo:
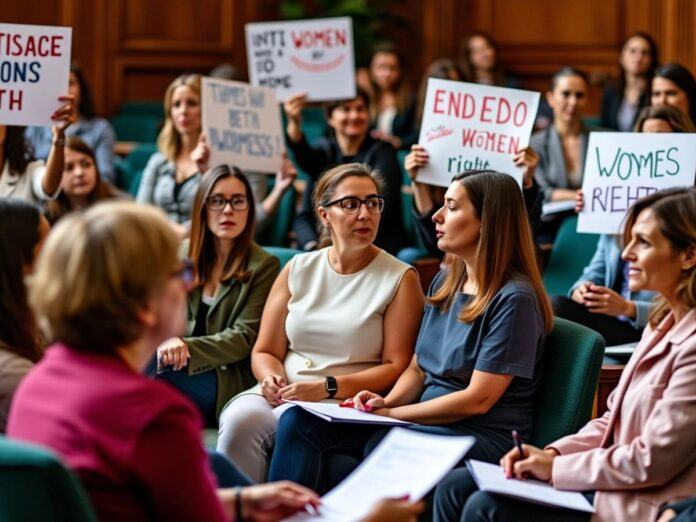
column 406, row 462
column 334, row 413
column 490, row 477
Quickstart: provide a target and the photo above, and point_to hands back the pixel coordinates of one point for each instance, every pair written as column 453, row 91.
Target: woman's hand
column 580, row 291
column 579, row 201
column 275, row 501
column 368, row 401
column 528, row 159
column 311, row 391
column 286, row 175
column 65, row 116
column 415, row 160
column 270, row 386
column 395, row 510
column 394, row 141
column 173, row 352
column 293, row 110
column 603, row 300
column 201, row 154
column 536, row 463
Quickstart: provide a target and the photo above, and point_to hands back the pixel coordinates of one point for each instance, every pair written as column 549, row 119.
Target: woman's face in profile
column 457, row 227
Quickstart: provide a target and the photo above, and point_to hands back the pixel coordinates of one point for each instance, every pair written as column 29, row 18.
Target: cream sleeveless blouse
column 335, row 322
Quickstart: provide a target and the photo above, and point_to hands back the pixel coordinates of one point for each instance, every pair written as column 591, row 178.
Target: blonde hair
column 98, row 269
column 169, row 141
column 505, row 251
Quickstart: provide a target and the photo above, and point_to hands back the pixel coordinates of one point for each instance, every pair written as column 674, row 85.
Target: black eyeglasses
column 351, row 204
column 186, row 272
column 238, row 202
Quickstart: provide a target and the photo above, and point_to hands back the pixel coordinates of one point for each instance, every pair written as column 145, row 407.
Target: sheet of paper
column 334, row 413
column 406, row 462
column 621, row 349
column 490, row 477
column 556, row 207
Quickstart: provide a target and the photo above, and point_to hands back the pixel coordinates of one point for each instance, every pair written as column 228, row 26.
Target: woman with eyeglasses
column 336, row 321
column 230, row 281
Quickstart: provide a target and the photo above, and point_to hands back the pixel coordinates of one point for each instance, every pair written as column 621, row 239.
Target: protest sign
column 242, row 124
column 34, row 72
column 306, row 56
column 467, row 126
column 622, row 167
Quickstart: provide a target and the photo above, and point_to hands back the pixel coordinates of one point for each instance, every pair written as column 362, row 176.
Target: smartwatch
column 331, row 386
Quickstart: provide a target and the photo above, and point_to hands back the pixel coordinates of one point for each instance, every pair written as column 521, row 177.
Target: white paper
column 467, row 126
column 406, row 462
column 490, row 477
column 242, row 125
column 34, row 72
column 622, row 167
column 304, row 56
column 621, row 349
column 556, row 207
column 334, row 413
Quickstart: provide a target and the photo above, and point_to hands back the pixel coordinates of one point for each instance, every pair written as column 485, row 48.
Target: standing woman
column 233, row 276
column 94, row 131
column 350, row 142
column 621, row 102
column 22, row 233
column 674, row 85
column 22, row 178
column 641, row 453
column 478, row 355
column 392, row 106
column 82, row 184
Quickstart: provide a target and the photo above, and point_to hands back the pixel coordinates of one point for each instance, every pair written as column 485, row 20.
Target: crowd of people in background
column 127, row 326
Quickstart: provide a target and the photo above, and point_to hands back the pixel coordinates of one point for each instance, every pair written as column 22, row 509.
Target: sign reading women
column 622, row 167
column 307, row 56
column 467, row 126
column 34, row 71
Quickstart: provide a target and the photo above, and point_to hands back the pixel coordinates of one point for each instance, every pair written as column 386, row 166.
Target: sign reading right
column 622, row 167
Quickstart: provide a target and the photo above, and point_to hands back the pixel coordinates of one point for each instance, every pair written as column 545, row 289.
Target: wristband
column 238, row 515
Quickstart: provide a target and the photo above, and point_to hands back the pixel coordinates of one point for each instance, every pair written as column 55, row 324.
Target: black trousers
column 612, row 329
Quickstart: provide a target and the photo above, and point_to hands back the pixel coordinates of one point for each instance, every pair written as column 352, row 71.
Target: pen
column 518, row 442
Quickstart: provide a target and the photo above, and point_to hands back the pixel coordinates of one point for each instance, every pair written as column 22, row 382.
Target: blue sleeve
column 104, row 151
column 146, row 190
column 595, row 272
column 512, row 335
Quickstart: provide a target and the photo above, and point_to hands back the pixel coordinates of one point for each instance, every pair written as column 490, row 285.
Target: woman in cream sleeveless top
column 336, row 320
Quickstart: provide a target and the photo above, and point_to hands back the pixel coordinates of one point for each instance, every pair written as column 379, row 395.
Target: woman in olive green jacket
column 231, row 278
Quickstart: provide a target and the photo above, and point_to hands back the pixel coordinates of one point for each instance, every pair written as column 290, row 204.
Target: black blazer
column 611, row 101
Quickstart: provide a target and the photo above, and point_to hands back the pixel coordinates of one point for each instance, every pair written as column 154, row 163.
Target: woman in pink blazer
column 642, row 453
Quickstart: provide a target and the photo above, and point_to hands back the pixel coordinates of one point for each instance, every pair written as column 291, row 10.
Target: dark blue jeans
column 457, row 497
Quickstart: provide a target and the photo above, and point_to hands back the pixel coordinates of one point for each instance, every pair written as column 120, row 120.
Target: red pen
column 348, row 403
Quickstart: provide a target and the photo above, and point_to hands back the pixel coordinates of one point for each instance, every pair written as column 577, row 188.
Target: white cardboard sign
column 622, row 167
column 467, row 126
column 305, row 56
column 242, row 125
column 34, row 72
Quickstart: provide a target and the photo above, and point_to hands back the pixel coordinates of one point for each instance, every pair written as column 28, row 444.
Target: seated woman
column 478, row 356
column 479, row 61
column 96, row 132
column 22, row 233
column 641, row 453
column 110, row 288
column 32, row 181
column 350, row 142
column 601, row 298
column 232, row 278
column 674, row 85
column 81, row 185
column 337, row 320
column 392, row 106
column 622, row 100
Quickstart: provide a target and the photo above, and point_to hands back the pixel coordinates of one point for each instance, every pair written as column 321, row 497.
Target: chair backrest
column 570, row 255
column 277, row 232
column 142, row 128
column 135, row 162
column 283, row 254
column 34, row 486
column 572, row 360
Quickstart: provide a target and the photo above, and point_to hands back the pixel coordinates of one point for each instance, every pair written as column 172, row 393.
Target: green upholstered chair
column 142, row 128
column 130, row 169
column 570, row 255
column 277, row 232
column 35, row 487
column 572, row 361
column 283, row 254
column 143, row 107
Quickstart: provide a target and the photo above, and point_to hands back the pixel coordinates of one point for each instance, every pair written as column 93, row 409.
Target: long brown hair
column 676, row 119
column 505, row 249
column 169, row 141
column 675, row 212
column 403, row 91
column 202, row 245
column 60, row 206
column 467, row 67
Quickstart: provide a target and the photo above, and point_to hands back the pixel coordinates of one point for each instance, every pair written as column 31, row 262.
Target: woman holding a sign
column 350, row 143
column 641, row 453
column 22, row 178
